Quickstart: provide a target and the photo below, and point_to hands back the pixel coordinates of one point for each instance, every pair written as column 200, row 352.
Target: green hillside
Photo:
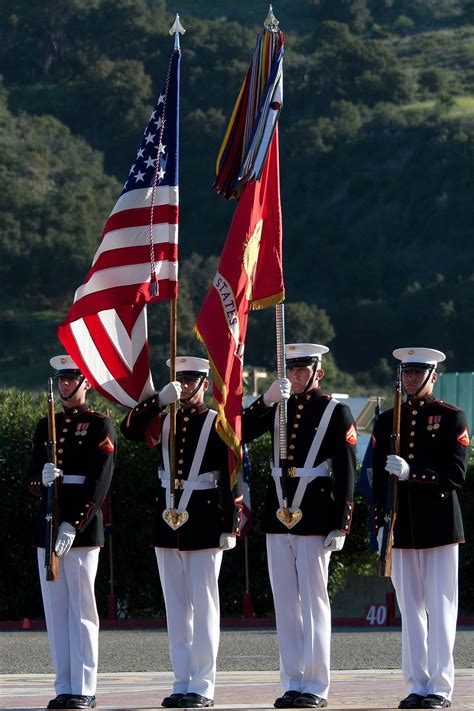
column 377, row 156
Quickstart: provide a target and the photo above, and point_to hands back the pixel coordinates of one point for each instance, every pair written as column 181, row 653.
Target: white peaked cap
column 63, row 362
column 190, row 364
column 419, row 356
column 303, row 351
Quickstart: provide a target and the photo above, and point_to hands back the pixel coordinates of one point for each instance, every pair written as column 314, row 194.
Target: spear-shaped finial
column 271, row 23
column 177, row 30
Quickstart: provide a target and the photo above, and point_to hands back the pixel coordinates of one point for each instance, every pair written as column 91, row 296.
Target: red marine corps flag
column 105, row 331
column 250, row 274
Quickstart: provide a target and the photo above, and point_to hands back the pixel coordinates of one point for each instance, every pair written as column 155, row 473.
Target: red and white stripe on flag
column 105, row 331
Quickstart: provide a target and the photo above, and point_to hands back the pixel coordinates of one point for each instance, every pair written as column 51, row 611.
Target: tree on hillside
column 33, row 35
column 51, row 39
column 303, row 323
column 353, row 13
column 425, row 11
column 54, row 199
column 122, row 95
column 342, row 66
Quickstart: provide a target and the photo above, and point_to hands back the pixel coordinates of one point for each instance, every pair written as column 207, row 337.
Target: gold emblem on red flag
column 250, row 258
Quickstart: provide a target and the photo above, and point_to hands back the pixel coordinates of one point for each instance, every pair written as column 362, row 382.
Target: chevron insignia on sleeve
column 351, row 435
column 107, row 444
column 463, row 437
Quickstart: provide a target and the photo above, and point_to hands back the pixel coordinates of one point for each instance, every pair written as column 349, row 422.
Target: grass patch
column 463, row 106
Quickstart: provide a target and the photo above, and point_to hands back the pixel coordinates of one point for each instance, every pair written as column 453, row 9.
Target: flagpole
column 111, row 598
column 248, row 599
column 282, row 406
column 176, row 29
column 172, row 438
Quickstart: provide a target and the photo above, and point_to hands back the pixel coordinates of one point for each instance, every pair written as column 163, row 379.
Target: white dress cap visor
column 63, row 362
column 297, row 351
column 419, row 356
column 191, row 364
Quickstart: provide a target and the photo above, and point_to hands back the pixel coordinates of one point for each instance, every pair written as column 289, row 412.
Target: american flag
column 105, row 331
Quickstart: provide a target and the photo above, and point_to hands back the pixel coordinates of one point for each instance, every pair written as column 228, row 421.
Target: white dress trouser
column 72, row 620
column 191, row 593
column 426, row 583
column 298, row 569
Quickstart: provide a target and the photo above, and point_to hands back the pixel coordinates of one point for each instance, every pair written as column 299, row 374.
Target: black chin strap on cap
column 69, row 397
column 200, row 382
column 312, row 377
column 430, row 369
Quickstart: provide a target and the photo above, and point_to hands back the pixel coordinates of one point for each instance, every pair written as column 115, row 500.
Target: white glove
column 380, row 538
column 335, row 541
column 50, row 473
column 64, row 539
column 227, row 541
column 279, row 390
column 398, row 466
column 170, row 393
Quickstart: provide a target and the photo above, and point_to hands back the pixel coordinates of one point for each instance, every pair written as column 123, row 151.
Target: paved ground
column 135, row 670
column 240, row 650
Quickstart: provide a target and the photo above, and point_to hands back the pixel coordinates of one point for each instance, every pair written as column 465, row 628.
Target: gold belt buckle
column 292, row 471
column 178, row 484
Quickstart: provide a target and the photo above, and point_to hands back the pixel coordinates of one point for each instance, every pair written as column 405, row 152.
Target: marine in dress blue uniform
column 86, row 447
column 189, row 556
column 321, row 453
column 431, row 469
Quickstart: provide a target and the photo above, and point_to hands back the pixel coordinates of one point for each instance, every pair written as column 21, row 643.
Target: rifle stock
column 52, row 507
column 391, row 506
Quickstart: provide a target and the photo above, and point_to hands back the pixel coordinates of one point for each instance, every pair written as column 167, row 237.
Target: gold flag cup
column 174, row 519
column 289, row 517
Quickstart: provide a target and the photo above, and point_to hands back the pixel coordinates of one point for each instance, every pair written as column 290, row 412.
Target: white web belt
column 206, row 480
column 193, row 476
column 307, row 473
column 73, row 479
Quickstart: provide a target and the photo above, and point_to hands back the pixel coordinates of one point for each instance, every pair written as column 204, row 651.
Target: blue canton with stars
column 161, row 138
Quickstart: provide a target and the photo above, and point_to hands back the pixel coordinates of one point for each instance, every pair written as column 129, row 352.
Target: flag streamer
column 254, row 118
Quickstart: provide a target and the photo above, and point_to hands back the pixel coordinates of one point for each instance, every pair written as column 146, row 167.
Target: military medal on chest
column 433, row 422
column 81, row 429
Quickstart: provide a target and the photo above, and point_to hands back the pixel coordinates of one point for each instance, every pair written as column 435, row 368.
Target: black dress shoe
column 172, row 701
column 195, row 701
column 59, row 702
column 434, row 701
column 286, row 701
column 412, row 701
column 309, row 701
column 81, row 702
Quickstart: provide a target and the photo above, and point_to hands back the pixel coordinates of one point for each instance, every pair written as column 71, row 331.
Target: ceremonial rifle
column 52, row 507
column 391, row 506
